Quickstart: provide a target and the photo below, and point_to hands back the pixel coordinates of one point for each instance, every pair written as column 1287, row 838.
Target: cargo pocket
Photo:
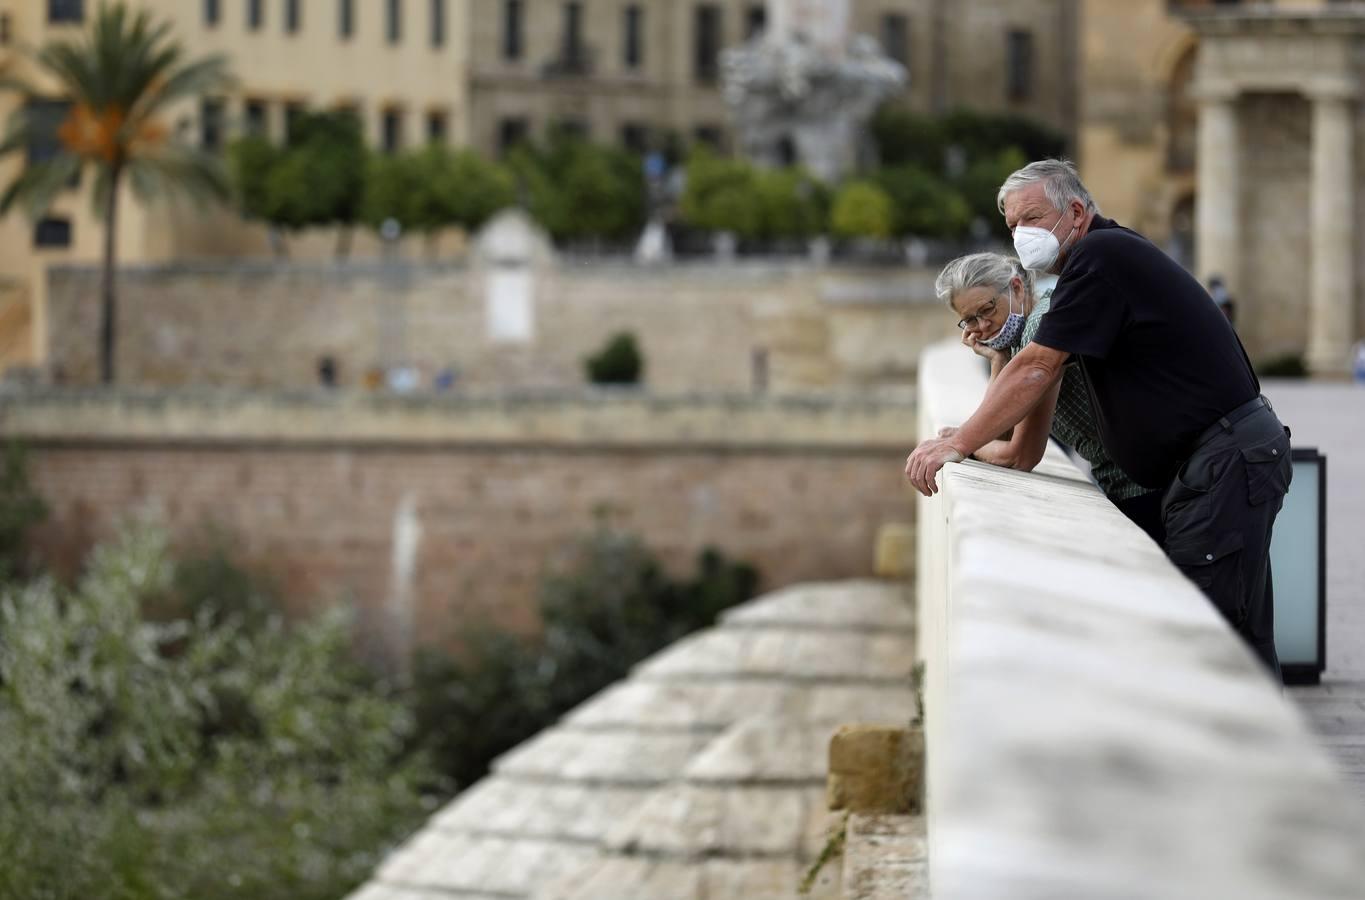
column 1214, row 564
column 1269, row 469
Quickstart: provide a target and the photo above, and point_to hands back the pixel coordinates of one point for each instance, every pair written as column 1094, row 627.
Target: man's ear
column 1078, row 209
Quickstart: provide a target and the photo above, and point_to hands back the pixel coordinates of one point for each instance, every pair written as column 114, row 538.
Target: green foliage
column 20, row 509
column 981, row 183
column 986, row 134
column 391, row 185
column 252, row 159
column 907, row 138
column 721, row 195
column 577, row 190
column 471, row 189
column 193, row 757
column 862, row 210
column 791, row 203
column 925, row 205
column 1289, row 365
column 619, row 362
column 611, row 606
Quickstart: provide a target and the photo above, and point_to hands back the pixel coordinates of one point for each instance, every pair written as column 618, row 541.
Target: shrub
column 721, row 195
column 579, row 190
column 20, row 509
column 862, row 210
column 925, row 205
column 610, row 607
column 619, row 362
column 791, row 204
column 903, row 137
column 191, row 757
column 980, row 184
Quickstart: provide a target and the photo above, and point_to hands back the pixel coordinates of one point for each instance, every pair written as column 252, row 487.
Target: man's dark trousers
column 1219, row 512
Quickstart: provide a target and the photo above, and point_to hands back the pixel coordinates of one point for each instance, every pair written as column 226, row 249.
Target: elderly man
column 1176, row 402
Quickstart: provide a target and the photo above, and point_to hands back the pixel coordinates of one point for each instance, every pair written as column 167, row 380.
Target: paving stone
column 886, row 857
column 871, row 605
column 620, row 758
column 764, row 751
column 455, row 862
column 536, row 809
column 693, row 821
column 872, row 704
column 701, row 706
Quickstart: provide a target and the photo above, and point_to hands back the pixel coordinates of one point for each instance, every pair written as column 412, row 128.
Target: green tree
column 392, row 186
column 121, row 77
column 925, row 204
column 472, row 190
column 862, row 210
column 791, row 203
column 980, row 184
column 904, row 137
column 576, row 189
column 722, row 195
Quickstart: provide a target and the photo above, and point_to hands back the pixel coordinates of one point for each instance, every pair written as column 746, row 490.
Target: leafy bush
column 980, row 184
column 925, row 205
column 722, row 195
column 612, row 606
column 906, row 138
column 791, row 203
column 619, row 362
column 190, row 757
column 20, row 509
column 862, row 210
column 577, row 190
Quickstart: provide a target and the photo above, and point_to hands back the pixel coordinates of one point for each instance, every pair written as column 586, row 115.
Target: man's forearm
column 1009, row 398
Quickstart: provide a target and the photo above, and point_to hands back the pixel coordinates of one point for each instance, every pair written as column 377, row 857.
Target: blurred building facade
column 1230, row 133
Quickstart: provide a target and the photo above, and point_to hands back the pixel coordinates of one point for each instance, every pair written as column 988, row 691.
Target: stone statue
column 802, row 91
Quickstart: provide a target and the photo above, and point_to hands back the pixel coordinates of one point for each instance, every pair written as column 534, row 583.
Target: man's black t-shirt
column 1161, row 360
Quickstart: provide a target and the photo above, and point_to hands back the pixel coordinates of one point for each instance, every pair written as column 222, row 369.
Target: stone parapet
column 1094, row 729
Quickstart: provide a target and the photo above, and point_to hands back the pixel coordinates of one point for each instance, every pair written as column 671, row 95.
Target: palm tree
column 120, row 77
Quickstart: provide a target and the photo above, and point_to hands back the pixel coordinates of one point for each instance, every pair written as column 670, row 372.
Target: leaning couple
column 1096, row 337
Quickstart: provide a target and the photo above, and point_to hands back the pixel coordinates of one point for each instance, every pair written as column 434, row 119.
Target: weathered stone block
column 875, row 768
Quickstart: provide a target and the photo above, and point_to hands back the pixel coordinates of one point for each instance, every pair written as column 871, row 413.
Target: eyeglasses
column 981, row 315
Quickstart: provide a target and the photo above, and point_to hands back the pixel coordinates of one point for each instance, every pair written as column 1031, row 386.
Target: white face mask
column 1038, row 248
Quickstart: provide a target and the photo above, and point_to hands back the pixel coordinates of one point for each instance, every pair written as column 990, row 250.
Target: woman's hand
column 973, row 343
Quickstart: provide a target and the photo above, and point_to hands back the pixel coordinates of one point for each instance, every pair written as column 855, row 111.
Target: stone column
column 1218, row 205
column 1331, row 326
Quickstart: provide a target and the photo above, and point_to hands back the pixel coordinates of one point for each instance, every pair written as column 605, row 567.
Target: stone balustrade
column 1093, row 728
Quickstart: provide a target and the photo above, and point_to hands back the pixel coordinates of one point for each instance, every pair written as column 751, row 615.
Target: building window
column 635, row 137
column 211, row 124
column 706, row 40
column 633, row 26
column 438, row 127
column 345, row 18
column 393, row 130
column 710, row 135
column 511, row 134
column 896, row 38
column 755, row 21
column 573, row 33
column 255, row 114
column 512, row 29
column 291, row 16
column 213, row 12
column 293, row 115
column 438, row 23
column 572, row 128
column 65, row 11
column 1020, row 66
column 52, row 232
column 4, row 29
column 255, row 14
column 45, row 118
column 393, row 20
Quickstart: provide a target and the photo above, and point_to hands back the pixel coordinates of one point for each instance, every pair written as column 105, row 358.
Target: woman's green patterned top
column 1074, row 423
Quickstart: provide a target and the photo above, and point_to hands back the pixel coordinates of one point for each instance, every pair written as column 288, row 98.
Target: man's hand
column 931, row 455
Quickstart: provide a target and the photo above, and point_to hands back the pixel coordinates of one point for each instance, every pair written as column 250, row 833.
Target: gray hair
column 1060, row 180
column 992, row 270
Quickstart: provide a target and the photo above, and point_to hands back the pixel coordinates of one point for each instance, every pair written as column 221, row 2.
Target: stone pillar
column 1331, row 326
column 1217, row 207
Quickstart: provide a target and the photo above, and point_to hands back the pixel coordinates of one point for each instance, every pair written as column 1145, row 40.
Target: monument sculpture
column 801, row 91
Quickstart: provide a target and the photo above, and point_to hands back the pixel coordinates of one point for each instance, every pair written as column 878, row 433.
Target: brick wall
column 798, row 488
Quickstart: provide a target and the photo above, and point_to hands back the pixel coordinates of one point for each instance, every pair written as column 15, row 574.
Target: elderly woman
column 994, row 297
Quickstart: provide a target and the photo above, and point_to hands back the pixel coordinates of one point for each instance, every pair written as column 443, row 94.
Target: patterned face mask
column 1013, row 329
